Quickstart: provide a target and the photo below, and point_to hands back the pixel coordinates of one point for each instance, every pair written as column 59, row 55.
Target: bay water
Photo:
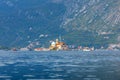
column 60, row 65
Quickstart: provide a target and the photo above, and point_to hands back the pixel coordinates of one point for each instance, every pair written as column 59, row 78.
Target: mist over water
column 60, row 65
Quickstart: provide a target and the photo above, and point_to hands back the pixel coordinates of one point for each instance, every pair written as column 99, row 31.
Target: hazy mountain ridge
column 27, row 20
column 82, row 22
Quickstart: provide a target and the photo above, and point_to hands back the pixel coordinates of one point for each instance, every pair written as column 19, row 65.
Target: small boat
column 87, row 49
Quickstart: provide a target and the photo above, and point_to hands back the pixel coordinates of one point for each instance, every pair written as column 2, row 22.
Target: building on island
column 58, row 45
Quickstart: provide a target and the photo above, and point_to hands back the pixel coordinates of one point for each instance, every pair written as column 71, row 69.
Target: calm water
column 61, row 65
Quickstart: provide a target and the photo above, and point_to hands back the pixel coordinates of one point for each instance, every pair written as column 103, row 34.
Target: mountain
column 22, row 22
column 92, row 22
column 80, row 22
